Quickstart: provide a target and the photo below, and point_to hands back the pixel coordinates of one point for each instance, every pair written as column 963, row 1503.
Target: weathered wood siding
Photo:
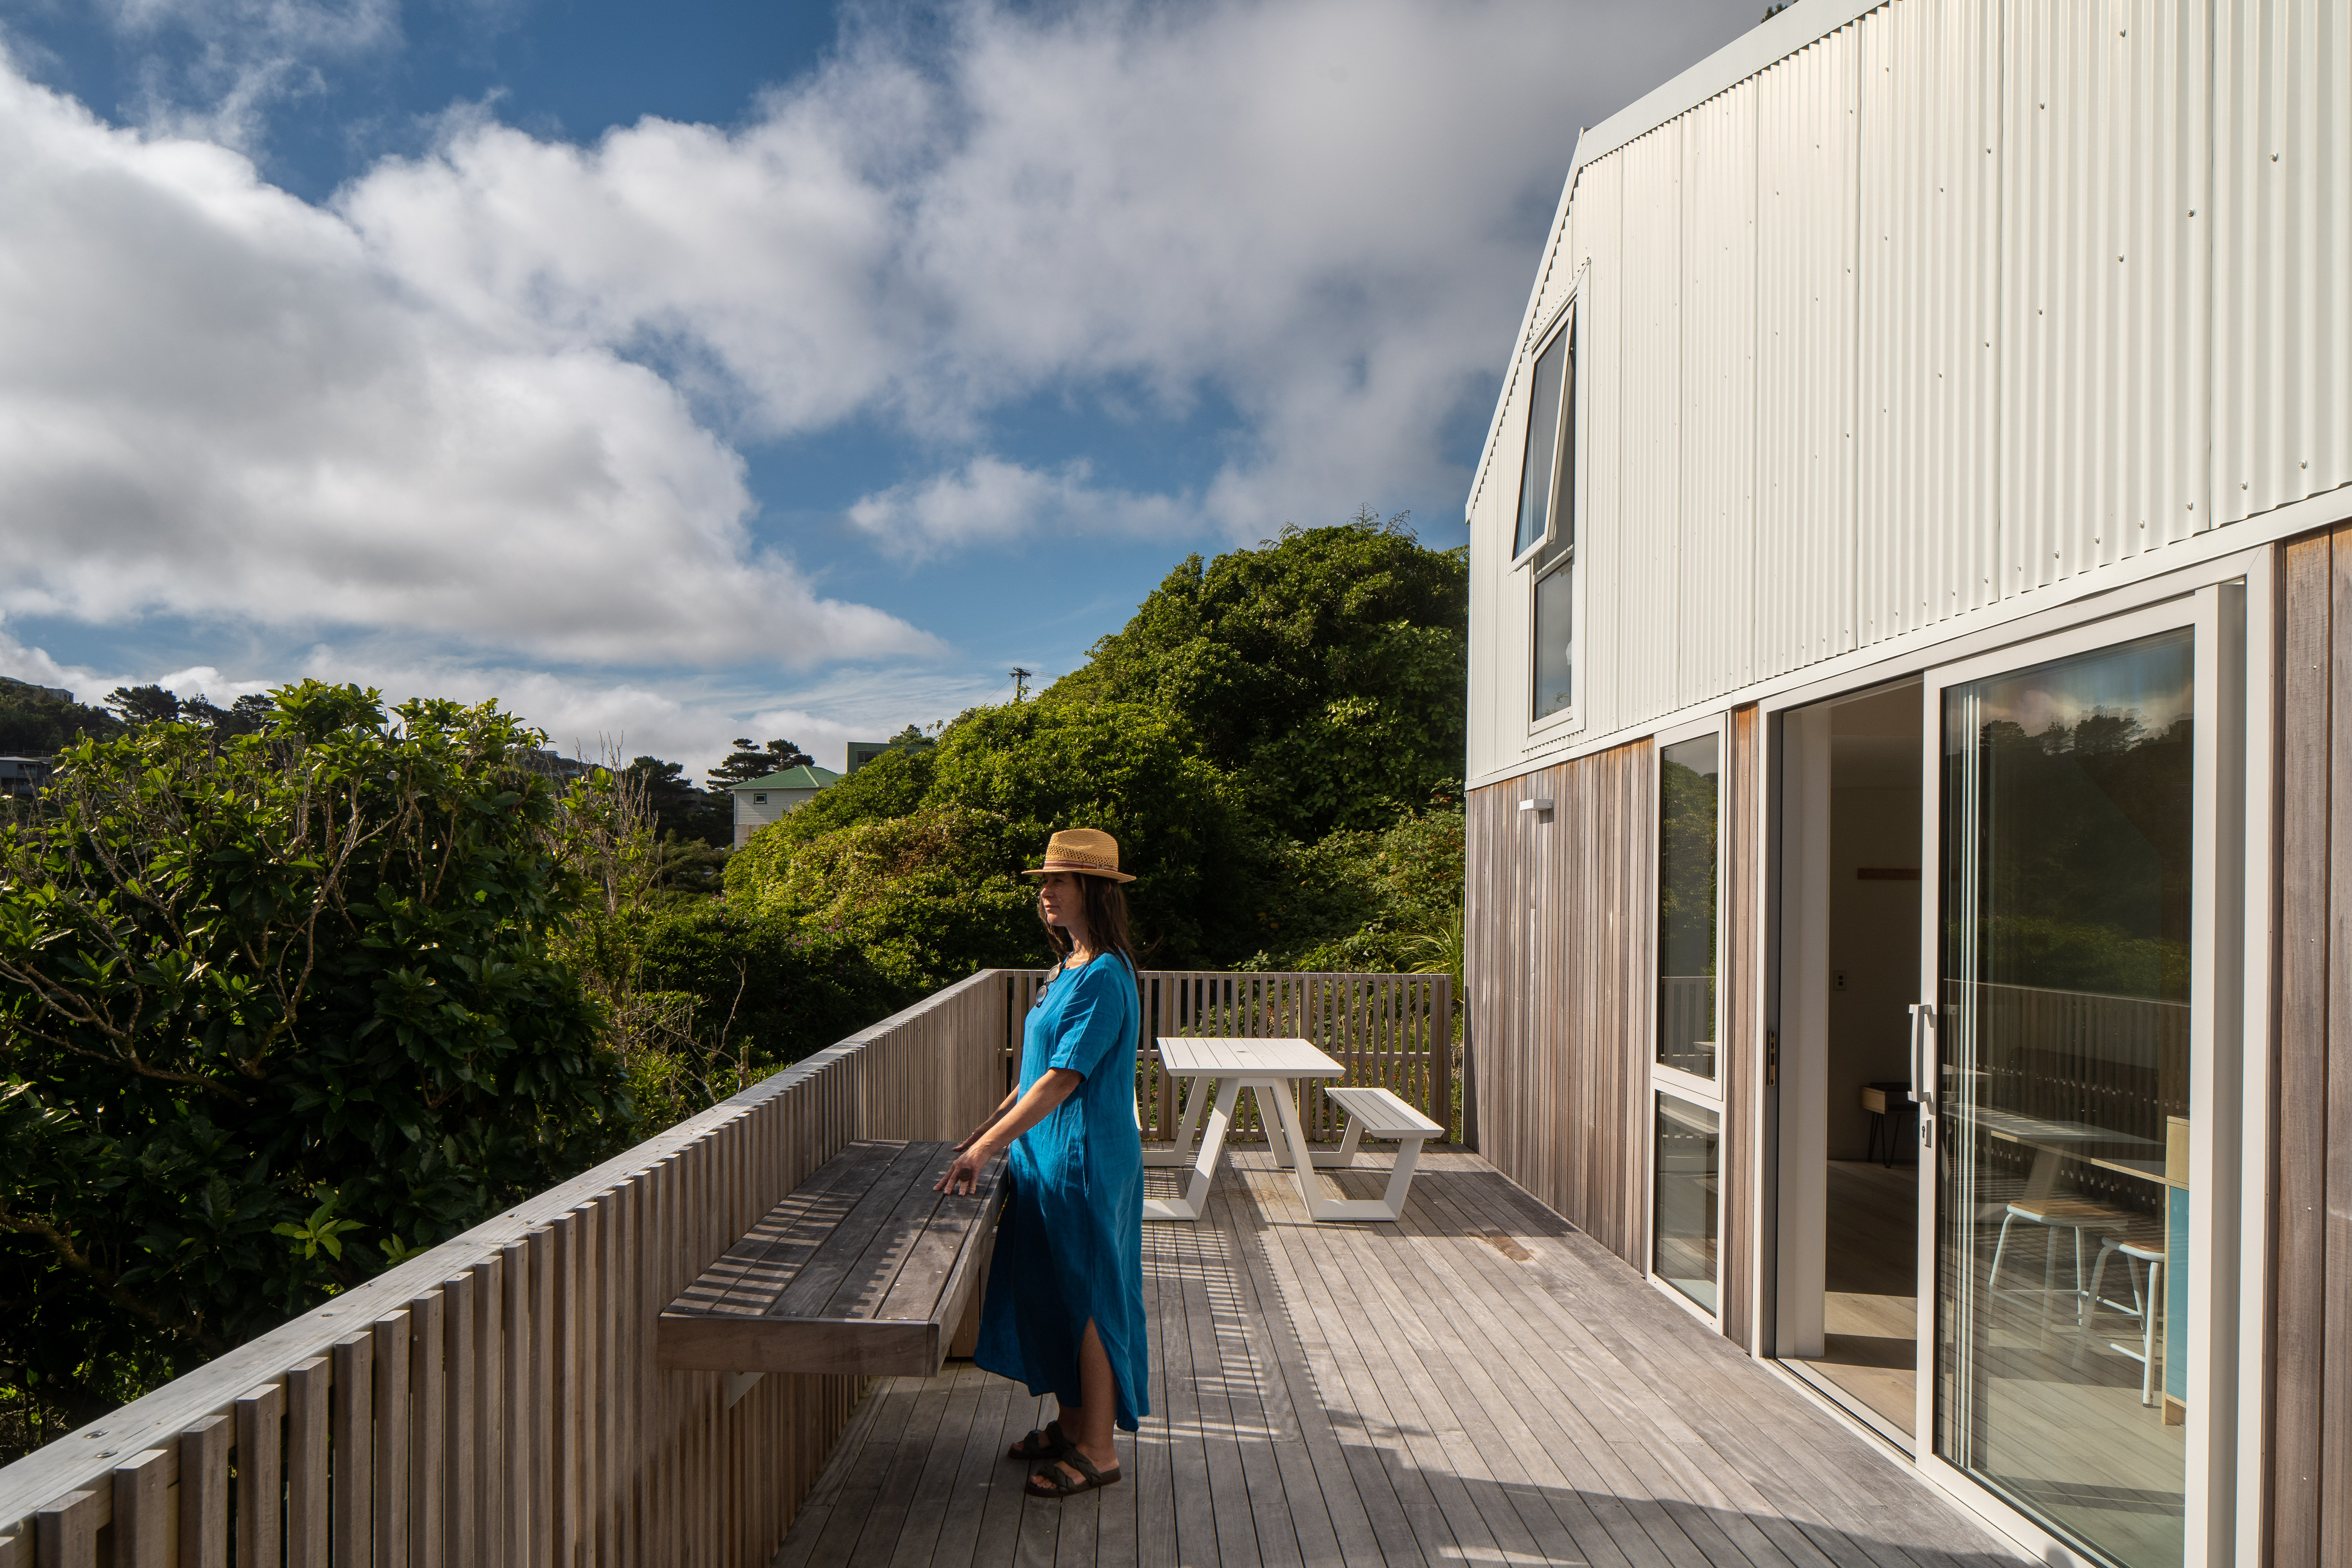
column 1559, row 936
column 2310, row 1479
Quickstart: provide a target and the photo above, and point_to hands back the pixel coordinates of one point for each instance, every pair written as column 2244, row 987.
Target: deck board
column 1409, row 1393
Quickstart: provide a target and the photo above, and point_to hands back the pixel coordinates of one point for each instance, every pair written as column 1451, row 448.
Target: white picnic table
column 1272, row 1070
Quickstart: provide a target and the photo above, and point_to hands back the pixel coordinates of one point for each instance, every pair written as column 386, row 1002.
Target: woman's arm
column 994, row 1117
column 963, row 1176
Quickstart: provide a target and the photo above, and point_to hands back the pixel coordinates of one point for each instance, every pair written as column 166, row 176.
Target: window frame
column 1538, row 561
column 1706, row 1093
column 1676, row 1080
column 1657, row 1281
column 1562, row 324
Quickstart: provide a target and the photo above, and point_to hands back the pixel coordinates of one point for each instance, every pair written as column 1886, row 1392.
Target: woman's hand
column 974, row 1155
column 975, row 1152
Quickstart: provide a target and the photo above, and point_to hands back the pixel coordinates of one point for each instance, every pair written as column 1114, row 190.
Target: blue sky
column 686, row 371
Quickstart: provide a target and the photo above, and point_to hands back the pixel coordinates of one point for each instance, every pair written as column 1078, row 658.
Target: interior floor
column 1870, row 1305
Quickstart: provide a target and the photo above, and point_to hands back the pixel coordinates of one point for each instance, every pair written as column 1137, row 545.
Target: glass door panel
column 1686, row 1178
column 2062, row 1034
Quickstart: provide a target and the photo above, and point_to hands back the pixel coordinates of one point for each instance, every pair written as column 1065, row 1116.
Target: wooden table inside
column 2054, row 1140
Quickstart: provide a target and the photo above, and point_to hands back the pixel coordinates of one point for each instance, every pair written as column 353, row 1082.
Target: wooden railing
column 1395, row 1031
column 494, row 1403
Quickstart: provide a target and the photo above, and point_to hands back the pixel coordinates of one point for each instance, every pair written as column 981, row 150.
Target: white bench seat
column 1379, row 1113
column 1373, row 1113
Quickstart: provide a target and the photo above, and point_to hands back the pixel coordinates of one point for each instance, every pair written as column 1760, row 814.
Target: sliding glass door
column 2055, row 1055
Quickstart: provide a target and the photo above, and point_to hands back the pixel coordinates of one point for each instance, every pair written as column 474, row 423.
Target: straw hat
column 1084, row 850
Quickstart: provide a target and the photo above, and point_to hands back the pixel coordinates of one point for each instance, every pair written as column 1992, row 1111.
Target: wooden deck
column 1479, row 1384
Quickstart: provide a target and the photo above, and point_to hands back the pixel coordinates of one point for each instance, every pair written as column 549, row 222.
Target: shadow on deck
column 1409, row 1393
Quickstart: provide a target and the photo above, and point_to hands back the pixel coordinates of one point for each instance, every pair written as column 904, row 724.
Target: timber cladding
column 2310, row 1479
column 1561, row 932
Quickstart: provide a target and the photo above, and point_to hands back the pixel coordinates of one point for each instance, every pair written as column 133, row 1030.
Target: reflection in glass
column 1536, row 486
column 1683, row 1251
column 1689, row 775
column 1554, row 640
column 2063, row 1179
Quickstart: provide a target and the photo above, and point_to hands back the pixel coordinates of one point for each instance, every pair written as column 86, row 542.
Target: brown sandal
column 1050, row 1482
column 1047, row 1443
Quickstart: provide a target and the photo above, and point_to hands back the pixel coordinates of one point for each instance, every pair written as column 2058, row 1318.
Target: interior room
column 1869, row 1311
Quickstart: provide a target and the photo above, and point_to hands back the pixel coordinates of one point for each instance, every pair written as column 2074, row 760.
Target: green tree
column 919, row 854
column 37, row 722
column 680, row 808
column 246, row 716
column 1327, row 669
column 273, row 1011
column 143, row 704
column 747, row 763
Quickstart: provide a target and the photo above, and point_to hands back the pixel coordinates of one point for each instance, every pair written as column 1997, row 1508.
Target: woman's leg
column 1090, row 1426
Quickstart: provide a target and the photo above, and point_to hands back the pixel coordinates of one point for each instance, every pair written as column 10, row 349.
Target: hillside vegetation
column 1275, row 739
column 292, row 989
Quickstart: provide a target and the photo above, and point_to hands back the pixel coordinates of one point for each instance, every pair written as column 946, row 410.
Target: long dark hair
column 1106, row 907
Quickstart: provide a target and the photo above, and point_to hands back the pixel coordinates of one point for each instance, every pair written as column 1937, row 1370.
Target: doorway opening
column 1849, row 1305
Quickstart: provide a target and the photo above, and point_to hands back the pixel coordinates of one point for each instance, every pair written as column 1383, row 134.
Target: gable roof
column 802, row 777
column 1771, row 40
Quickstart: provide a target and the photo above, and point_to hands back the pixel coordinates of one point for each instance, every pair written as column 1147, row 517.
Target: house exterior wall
column 1946, row 311
column 1907, row 333
column 1557, row 938
column 1560, row 922
column 750, row 815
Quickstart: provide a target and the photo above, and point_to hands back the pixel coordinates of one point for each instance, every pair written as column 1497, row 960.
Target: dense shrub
column 274, row 1011
column 918, row 856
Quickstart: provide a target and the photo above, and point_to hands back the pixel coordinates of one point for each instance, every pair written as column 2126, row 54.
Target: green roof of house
column 802, row 777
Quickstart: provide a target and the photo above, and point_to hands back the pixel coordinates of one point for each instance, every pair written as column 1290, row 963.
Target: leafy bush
column 917, row 856
column 273, row 1012
column 35, row 722
column 1387, row 902
column 1326, row 670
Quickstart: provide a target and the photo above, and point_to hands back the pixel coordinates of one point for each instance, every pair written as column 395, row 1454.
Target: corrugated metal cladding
column 1958, row 302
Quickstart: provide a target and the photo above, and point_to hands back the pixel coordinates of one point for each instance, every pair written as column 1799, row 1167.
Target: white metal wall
column 1959, row 303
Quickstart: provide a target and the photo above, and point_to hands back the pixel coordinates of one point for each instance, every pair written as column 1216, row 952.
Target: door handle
column 1923, row 1055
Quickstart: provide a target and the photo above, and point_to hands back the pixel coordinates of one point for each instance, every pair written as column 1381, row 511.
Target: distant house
column 760, row 801
column 21, row 778
column 863, row 751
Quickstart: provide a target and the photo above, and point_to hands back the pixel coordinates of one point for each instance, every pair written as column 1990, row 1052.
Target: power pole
column 1020, row 683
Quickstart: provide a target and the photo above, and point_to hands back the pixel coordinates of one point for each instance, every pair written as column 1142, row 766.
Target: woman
column 1065, row 1308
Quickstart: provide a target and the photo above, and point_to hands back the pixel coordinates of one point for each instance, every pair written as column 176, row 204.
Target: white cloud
column 215, row 402
column 585, row 716
column 1316, row 210
column 232, row 60
column 487, row 404
column 988, row 501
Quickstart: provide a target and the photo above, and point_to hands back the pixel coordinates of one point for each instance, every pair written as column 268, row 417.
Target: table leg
column 1196, row 1100
column 1301, row 1160
column 2043, row 1178
column 1328, row 1158
column 1195, row 1201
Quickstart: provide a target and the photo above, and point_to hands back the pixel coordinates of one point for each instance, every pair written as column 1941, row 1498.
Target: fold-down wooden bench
column 862, row 1268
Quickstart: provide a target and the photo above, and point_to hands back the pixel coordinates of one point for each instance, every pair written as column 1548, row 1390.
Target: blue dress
column 1070, row 1246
